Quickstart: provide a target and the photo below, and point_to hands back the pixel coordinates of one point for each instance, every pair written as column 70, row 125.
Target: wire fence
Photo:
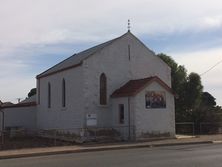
column 211, row 128
column 18, row 137
column 54, row 137
column 186, row 128
column 202, row 128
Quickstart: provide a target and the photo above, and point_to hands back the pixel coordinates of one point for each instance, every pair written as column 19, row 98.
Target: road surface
column 170, row 156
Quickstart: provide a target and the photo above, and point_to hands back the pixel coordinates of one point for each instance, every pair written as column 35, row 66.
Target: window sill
column 103, row 106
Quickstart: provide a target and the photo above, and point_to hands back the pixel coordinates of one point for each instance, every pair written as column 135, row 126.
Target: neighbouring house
column 120, row 84
column 21, row 115
column 5, row 104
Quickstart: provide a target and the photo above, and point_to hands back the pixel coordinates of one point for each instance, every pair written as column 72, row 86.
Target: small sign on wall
column 91, row 119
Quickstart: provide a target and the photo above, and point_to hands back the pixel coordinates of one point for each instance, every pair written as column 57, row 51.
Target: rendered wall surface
column 24, row 117
column 57, row 116
column 119, row 65
column 154, row 121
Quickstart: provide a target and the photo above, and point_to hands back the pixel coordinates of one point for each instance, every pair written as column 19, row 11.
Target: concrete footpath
column 180, row 140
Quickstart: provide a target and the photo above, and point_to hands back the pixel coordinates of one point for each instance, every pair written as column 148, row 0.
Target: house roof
column 133, row 87
column 76, row 59
column 19, row 105
column 5, row 104
column 31, row 101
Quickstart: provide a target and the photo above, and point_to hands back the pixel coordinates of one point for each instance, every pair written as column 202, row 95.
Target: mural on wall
column 155, row 99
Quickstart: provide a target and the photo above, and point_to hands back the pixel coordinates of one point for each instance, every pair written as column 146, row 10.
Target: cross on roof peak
column 129, row 26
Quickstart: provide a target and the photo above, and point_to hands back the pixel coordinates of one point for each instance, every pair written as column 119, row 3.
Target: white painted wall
column 128, row 115
column 57, row 116
column 1, row 120
column 114, row 62
column 24, row 117
column 154, row 121
column 144, row 62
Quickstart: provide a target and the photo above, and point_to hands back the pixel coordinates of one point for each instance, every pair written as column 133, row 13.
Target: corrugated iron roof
column 76, row 59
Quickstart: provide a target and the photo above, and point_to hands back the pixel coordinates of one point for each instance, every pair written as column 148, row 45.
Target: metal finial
column 128, row 25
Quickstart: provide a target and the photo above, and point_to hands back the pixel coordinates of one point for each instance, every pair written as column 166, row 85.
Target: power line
column 211, row 68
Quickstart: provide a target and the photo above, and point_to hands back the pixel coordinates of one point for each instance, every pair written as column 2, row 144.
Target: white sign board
column 91, row 119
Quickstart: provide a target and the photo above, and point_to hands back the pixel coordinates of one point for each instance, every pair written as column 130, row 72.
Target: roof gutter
column 58, row 71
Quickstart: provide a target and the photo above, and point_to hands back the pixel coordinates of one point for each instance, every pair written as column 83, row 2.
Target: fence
column 202, row 128
column 74, row 135
column 211, row 128
column 186, row 128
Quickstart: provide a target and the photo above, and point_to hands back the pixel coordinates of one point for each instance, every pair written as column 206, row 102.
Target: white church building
column 117, row 84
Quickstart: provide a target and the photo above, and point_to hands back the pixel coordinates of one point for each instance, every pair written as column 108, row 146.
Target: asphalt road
column 209, row 155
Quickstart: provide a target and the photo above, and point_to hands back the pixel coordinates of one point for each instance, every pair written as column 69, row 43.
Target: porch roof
column 133, row 87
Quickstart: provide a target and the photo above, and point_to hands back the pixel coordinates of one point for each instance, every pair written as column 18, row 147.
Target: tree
column 208, row 110
column 194, row 91
column 179, row 81
column 32, row 92
column 192, row 104
column 189, row 91
column 208, row 99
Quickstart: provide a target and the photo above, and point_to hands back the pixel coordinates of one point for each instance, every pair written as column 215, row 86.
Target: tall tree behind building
column 191, row 103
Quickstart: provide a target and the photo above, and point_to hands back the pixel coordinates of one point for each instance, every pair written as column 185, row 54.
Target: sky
column 35, row 35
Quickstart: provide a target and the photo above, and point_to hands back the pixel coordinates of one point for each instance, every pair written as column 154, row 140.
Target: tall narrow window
column 103, row 89
column 49, row 95
column 63, row 93
column 121, row 113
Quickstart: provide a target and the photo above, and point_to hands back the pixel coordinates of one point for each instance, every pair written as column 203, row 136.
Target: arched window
column 63, row 93
column 49, row 95
column 103, row 89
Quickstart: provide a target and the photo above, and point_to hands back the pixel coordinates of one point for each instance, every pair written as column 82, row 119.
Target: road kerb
column 217, row 141
column 100, row 148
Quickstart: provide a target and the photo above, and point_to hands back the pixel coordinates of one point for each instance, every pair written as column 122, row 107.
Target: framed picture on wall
column 155, row 99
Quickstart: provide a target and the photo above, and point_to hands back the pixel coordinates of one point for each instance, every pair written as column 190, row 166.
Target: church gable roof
column 76, row 59
column 133, row 87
